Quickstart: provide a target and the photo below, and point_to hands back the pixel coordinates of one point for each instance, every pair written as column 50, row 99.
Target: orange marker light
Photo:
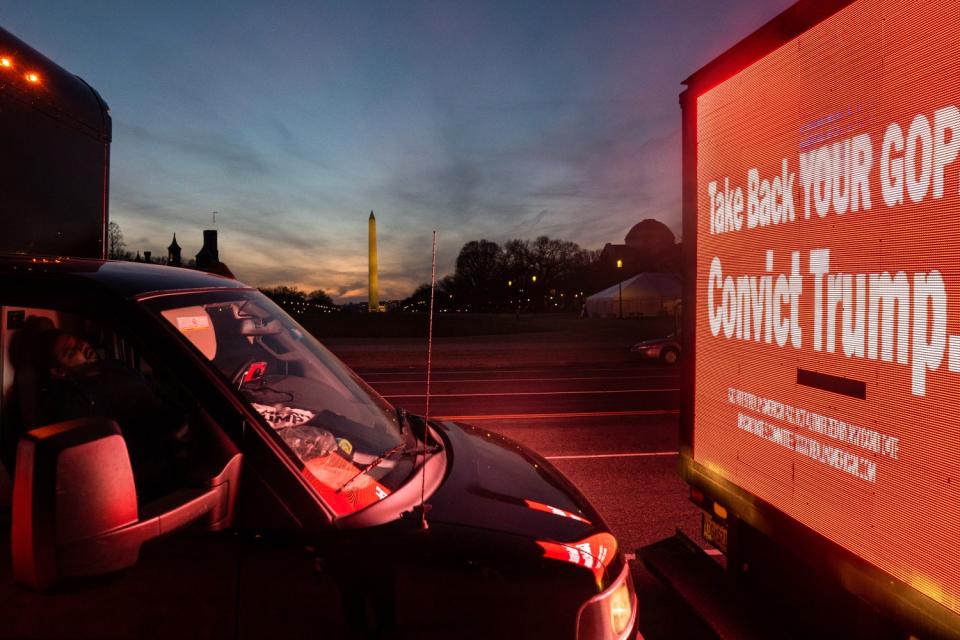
column 6, row 62
column 32, row 78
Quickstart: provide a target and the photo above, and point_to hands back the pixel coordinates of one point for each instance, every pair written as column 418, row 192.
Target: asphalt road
column 610, row 427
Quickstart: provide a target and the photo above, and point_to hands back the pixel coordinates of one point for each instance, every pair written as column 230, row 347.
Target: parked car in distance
column 665, row 349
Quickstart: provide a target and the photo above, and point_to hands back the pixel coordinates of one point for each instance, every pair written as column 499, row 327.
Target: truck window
column 329, row 420
column 66, row 366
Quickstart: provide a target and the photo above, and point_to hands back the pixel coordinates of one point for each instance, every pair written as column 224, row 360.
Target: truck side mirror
column 75, row 510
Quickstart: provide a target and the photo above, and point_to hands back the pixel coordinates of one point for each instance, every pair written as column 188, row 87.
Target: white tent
column 645, row 294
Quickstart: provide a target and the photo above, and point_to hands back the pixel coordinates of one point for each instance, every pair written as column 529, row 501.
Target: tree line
column 544, row 274
column 297, row 301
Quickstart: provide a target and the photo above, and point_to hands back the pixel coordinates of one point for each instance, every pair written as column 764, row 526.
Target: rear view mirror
column 255, row 327
column 75, row 510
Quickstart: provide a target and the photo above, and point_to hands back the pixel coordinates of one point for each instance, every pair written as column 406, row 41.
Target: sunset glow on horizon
column 480, row 120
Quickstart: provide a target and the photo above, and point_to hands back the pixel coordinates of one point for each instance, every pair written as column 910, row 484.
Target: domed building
column 650, row 234
column 647, row 281
column 648, row 246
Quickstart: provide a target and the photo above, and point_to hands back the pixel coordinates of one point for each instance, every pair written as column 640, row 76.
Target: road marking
column 437, row 381
column 644, row 454
column 713, row 552
column 547, row 416
column 528, row 393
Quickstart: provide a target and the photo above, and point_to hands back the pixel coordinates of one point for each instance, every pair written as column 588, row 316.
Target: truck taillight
column 32, row 77
column 696, row 496
column 6, row 62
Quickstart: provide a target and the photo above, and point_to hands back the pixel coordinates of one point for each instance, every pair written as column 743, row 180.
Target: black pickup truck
column 298, row 502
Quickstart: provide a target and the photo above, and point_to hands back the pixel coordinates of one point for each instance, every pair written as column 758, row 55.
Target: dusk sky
column 293, row 120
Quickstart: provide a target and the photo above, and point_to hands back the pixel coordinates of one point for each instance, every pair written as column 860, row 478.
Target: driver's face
column 72, row 353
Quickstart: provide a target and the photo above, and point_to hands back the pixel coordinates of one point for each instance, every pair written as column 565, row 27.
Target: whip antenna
column 426, row 414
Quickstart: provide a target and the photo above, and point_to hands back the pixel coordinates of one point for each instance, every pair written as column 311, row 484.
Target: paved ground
column 605, row 420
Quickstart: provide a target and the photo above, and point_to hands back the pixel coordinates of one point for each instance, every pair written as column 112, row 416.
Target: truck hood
column 497, row 484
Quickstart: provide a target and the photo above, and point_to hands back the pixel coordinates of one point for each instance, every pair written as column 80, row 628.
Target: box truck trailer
column 821, row 198
column 55, row 133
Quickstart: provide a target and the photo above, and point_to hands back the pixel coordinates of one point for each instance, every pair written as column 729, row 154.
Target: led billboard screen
column 827, row 370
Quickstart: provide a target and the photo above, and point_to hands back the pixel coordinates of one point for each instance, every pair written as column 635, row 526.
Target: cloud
column 481, row 120
column 212, row 149
column 583, row 171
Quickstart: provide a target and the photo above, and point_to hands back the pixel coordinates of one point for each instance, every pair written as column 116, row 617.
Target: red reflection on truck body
column 595, row 552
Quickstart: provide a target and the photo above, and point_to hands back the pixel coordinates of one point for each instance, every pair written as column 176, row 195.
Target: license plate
column 714, row 532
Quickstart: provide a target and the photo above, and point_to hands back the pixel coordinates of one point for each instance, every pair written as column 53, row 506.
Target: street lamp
column 620, row 287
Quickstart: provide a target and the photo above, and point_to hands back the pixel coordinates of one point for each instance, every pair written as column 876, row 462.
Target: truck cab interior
column 180, row 460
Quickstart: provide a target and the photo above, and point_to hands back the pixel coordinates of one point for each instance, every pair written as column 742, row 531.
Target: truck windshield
column 321, row 411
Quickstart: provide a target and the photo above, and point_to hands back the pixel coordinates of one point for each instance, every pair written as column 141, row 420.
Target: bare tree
column 284, row 294
column 116, row 247
column 478, row 275
column 321, row 298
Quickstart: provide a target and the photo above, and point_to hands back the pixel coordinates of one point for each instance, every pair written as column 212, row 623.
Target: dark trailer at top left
column 55, row 133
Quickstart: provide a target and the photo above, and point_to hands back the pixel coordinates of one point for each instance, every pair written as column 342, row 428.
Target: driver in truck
column 79, row 383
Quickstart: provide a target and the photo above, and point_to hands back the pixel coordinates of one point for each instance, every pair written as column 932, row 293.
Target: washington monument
column 373, row 304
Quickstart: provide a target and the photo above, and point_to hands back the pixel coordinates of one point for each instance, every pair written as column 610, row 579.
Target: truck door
column 184, row 584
